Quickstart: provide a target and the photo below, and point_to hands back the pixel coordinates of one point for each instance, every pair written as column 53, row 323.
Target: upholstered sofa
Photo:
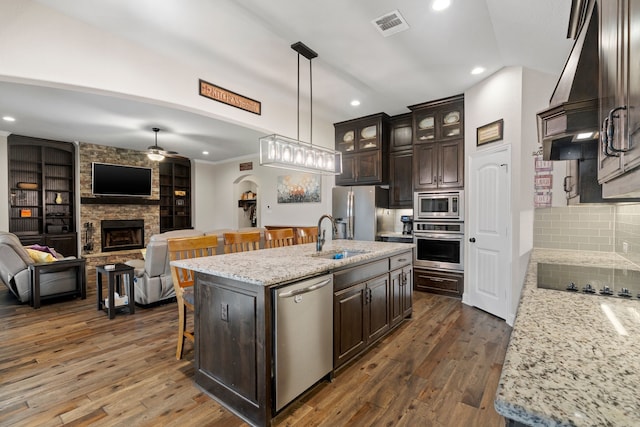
column 34, row 275
column 153, row 283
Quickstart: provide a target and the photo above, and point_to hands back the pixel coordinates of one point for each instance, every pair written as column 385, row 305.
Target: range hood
column 571, row 123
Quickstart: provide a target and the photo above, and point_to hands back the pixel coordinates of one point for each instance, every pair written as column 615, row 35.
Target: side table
column 115, row 280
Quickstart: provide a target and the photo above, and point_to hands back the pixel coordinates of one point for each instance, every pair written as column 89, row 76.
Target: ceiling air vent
column 390, row 23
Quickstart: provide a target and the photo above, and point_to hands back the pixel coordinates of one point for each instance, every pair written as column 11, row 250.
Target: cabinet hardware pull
column 605, row 140
column 402, row 260
column 567, row 189
column 433, row 279
column 472, row 240
column 610, row 131
column 435, row 178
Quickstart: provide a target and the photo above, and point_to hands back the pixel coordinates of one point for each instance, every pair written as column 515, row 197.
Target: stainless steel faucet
column 321, row 232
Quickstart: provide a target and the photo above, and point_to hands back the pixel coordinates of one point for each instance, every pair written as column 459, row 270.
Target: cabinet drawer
column 438, row 282
column 345, row 278
column 400, row 260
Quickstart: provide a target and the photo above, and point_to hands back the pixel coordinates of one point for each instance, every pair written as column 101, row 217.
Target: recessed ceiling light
column 478, row 70
column 355, row 103
column 439, row 5
column 206, row 153
column 8, row 119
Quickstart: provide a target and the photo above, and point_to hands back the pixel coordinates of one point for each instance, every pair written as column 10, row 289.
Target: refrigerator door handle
column 350, row 201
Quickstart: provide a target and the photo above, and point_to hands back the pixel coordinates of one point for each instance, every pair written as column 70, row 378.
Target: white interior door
column 488, row 269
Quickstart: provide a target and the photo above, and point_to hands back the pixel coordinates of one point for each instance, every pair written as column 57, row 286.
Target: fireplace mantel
column 118, row 201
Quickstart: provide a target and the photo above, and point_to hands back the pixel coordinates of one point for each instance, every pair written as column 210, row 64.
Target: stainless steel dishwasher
column 303, row 336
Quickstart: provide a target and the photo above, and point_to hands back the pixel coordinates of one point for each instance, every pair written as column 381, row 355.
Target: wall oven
column 439, row 245
column 439, row 205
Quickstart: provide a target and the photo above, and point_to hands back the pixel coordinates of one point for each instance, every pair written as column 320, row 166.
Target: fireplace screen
column 122, row 234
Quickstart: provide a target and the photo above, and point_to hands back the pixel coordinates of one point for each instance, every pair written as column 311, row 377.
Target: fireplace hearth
column 122, row 234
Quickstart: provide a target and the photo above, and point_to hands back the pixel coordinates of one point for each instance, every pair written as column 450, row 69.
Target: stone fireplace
column 117, row 235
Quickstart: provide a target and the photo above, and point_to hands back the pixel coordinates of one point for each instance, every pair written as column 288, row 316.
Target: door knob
column 472, row 240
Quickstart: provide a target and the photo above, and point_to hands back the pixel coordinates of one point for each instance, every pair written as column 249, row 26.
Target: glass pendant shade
column 156, row 157
column 281, row 152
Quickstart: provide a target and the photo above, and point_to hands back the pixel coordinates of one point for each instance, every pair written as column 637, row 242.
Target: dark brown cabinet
column 42, row 193
column 401, row 281
column 175, row 194
column 401, row 162
column 438, row 165
column 364, row 146
column 361, row 316
column 438, row 144
column 439, row 282
column 619, row 93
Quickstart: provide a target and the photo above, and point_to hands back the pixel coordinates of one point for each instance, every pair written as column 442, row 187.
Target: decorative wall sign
column 246, row 166
column 542, row 182
column 217, row 93
column 490, row 133
column 299, row 188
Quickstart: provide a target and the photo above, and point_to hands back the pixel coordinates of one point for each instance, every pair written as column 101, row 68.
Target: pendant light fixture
column 287, row 153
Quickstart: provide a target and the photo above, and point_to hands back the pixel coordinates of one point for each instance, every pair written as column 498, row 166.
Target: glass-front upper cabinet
column 361, row 134
column 438, row 120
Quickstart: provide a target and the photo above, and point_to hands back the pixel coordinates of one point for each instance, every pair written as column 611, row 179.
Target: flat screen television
column 119, row 180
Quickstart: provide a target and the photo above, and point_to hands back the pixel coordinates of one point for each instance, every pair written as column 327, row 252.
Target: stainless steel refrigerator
column 356, row 210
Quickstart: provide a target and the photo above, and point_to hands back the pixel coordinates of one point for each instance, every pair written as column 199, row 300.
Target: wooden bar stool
column 184, row 279
column 279, row 237
column 306, row 235
column 241, row 241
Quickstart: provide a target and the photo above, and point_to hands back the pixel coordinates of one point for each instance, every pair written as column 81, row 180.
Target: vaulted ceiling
column 430, row 60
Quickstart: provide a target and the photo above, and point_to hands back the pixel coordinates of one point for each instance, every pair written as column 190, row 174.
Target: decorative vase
column 58, row 198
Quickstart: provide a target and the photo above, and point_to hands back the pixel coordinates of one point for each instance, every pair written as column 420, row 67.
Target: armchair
column 33, row 282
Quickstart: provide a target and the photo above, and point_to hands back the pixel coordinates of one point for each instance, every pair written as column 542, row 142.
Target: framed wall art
column 491, row 132
column 299, row 188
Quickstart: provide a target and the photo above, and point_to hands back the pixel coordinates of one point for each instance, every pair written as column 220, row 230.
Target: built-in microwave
column 430, row 205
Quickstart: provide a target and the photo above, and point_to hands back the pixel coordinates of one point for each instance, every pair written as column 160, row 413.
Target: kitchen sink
column 339, row 254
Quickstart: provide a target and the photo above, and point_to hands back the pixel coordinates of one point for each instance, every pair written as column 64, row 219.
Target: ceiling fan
column 155, row 152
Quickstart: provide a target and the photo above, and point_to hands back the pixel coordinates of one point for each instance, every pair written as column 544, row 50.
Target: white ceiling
column 431, row 60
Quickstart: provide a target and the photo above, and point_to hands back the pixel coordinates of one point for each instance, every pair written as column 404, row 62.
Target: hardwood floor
column 68, row 364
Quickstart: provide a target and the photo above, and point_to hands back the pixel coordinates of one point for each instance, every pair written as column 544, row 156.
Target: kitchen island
column 573, row 358
column 235, row 312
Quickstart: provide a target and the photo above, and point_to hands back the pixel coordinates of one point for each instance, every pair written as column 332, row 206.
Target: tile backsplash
column 590, row 227
column 627, row 236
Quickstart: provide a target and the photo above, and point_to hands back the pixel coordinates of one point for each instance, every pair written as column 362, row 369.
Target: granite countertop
column 567, row 363
column 267, row 267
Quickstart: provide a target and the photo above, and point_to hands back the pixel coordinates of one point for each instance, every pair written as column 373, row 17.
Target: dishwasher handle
column 305, row 290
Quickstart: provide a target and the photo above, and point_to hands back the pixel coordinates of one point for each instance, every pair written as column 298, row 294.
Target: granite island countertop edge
column 267, row 267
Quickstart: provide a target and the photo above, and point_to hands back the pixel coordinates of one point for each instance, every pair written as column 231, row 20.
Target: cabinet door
column 401, row 182
column 345, row 138
column 401, row 133
column 407, row 291
column 65, row 244
column 425, row 167
column 395, row 303
column 631, row 158
column 449, row 125
column 348, row 175
column 424, row 125
column 451, row 164
column 368, row 167
column 610, row 77
column 377, row 307
column 348, row 324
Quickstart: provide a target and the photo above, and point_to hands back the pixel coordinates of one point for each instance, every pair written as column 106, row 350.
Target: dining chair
column 279, row 237
column 306, row 235
column 241, row 241
column 184, row 279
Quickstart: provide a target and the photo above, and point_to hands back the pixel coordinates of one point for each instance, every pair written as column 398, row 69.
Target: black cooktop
column 611, row 282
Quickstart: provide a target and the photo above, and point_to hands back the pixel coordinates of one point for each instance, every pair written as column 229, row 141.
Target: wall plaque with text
column 217, row 93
